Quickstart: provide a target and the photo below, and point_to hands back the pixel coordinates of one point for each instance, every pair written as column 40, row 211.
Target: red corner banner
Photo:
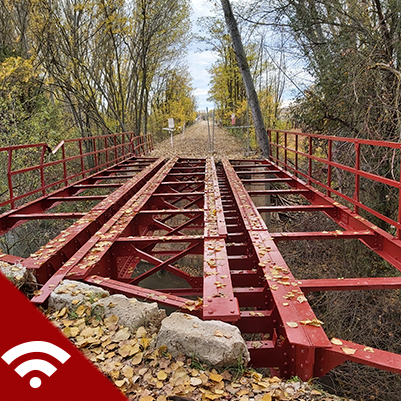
column 37, row 363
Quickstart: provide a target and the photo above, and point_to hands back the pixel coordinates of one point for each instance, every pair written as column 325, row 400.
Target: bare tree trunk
column 232, row 26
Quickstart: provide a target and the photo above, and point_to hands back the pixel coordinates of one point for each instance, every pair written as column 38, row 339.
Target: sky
column 199, row 62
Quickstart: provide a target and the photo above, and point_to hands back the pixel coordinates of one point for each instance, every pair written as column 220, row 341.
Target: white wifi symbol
column 35, row 364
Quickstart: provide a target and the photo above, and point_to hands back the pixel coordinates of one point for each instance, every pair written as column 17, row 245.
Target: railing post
column 357, row 177
column 9, row 178
column 106, row 147
column 115, row 149
column 310, row 160
column 330, row 158
column 42, row 174
column 269, row 136
column 399, row 203
column 285, row 151
column 277, row 148
column 81, row 158
column 296, row 154
column 95, row 153
column 64, row 164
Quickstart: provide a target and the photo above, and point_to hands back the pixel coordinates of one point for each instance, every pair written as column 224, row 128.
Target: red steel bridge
column 161, row 211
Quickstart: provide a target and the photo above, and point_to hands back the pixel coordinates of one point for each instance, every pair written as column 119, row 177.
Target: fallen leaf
column 292, row 324
column 137, row 359
column 216, row 377
column 348, row 351
column 336, row 341
column 315, row 322
column 162, row 375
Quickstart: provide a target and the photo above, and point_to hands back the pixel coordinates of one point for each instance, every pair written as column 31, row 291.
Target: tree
column 172, row 98
column 232, row 26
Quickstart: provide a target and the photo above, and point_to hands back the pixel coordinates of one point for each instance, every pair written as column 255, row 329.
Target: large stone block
column 216, row 343
column 69, row 290
column 133, row 313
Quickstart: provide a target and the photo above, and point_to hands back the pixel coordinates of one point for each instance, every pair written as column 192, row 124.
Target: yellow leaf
column 266, row 397
column 162, row 375
column 121, row 335
column 124, row 350
column 216, row 377
column 336, row 341
column 137, row 359
column 67, row 331
column 113, row 319
column 292, row 324
column 369, row 349
column 145, row 342
column 315, row 322
column 218, row 333
column 348, row 351
column 127, row 371
column 80, row 310
column 87, row 332
column 146, row 398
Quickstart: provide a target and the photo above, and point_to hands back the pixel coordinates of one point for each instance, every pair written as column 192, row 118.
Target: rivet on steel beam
column 232, row 311
column 301, row 365
column 210, row 312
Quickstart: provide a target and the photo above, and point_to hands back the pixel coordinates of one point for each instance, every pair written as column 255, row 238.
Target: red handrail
column 305, row 152
column 99, row 154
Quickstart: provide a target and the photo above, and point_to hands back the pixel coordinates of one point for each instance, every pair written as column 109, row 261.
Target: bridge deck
column 164, row 214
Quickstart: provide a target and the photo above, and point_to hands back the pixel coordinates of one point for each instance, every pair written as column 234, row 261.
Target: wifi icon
column 35, row 364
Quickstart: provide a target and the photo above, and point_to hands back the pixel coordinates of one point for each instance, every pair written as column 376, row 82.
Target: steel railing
column 35, row 170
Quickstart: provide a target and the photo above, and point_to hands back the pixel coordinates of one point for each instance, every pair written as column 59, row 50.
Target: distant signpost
column 171, row 129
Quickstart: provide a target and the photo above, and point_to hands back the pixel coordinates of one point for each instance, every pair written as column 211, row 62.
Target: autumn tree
column 173, row 98
column 101, row 57
column 243, row 65
column 227, row 89
column 352, row 50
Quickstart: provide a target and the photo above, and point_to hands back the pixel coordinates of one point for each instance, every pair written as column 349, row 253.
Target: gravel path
column 195, row 144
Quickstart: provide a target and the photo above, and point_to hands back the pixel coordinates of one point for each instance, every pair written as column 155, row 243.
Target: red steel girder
column 289, row 306
column 326, row 358
column 130, row 290
column 219, row 300
column 56, row 258
column 245, row 279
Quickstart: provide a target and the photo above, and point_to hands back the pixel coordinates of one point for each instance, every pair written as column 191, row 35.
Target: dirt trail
column 195, row 144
